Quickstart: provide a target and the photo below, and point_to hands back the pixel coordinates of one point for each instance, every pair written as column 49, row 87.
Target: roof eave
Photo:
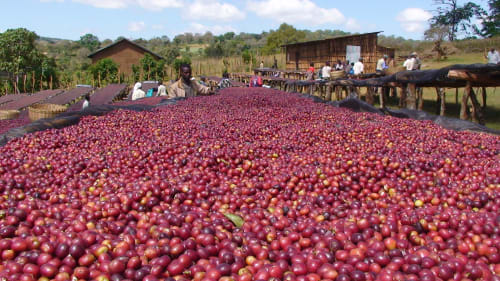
column 125, row 40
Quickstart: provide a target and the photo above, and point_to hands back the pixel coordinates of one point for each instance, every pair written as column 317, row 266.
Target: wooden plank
column 490, row 78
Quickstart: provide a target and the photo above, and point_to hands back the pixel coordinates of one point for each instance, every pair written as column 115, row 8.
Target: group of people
column 353, row 68
column 186, row 86
column 413, row 62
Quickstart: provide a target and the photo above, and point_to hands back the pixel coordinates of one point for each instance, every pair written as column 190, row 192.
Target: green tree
column 105, row 70
column 170, row 53
column 18, row 54
column 215, row 50
column 246, row 56
column 48, row 71
column 491, row 21
column 229, row 35
column 286, row 34
column 89, row 41
column 136, row 72
column 151, row 68
column 458, row 18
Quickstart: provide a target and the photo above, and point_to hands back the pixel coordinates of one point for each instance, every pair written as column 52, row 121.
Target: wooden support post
column 420, row 92
column 411, row 100
column 456, row 95
column 463, row 106
column 369, row 95
column 483, row 92
column 402, row 99
column 381, row 97
column 441, row 104
column 477, row 112
column 328, row 95
column 393, row 92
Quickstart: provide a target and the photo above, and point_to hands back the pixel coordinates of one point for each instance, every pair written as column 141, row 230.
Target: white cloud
column 45, row 1
column 296, row 11
column 413, row 19
column 136, row 26
column 214, row 29
column 159, row 4
column 216, row 11
column 352, row 24
column 118, row 4
column 107, row 4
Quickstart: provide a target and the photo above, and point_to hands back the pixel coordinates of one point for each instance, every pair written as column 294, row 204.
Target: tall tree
column 89, row 41
column 437, row 34
column 285, row 34
column 18, row 53
column 491, row 21
column 457, row 17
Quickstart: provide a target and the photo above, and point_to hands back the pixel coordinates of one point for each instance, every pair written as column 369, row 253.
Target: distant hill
column 51, row 40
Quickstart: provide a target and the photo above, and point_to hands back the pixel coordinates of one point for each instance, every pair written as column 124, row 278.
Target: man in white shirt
column 358, row 67
column 409, row 62
column 325, row 71
column 493, row 56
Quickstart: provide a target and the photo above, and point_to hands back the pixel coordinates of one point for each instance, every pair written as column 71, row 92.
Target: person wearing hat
column 410, row 62
column 382, row 64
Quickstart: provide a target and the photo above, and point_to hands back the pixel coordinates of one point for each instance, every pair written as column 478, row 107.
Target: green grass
column 491, row 114
column 468, row 58
column 194, row 48
column 492, row 111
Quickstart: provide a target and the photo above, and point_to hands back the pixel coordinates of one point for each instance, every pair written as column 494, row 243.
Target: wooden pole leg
column 411, row 98
column 402, row 99
column 441, row 95
column 483, row 92
column 328, row 95
column 381, row 97
column 477, row 111
column 420, row 93
column 463, row 105
column 369, row 95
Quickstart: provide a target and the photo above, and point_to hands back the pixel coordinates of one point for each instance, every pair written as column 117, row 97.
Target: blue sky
column 109, row 19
